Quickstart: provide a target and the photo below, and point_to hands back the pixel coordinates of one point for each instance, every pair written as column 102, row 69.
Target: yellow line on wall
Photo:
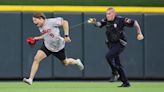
column 21, row 8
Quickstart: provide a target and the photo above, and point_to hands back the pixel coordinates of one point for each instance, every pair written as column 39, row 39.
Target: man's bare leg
column 40, row 55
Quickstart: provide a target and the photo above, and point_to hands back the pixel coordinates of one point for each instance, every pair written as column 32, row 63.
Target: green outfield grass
column 85, row 2
column 54, row 86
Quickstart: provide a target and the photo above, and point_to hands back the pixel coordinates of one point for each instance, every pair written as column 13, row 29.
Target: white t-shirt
column 52, row 39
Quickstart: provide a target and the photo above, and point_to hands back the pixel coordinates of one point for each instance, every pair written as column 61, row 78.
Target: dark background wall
column 141, row 59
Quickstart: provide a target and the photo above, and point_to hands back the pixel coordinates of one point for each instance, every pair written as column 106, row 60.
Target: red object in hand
column 31, row 40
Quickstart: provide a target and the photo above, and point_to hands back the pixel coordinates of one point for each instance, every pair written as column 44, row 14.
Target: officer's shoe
column 114, row 78
column 125, row 85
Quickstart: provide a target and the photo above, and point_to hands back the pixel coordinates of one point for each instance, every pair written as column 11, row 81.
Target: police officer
column 116, row 41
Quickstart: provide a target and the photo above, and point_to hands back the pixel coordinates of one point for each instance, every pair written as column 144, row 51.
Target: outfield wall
column 141, row 59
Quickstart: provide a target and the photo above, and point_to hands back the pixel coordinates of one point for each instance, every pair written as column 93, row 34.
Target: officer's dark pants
column 114, row 60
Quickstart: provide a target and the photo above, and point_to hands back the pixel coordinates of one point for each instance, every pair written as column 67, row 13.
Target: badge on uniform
column 127, row 20
column 115, row 25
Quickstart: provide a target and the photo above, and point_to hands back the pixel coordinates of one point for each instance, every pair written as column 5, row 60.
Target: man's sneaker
column 28, row 81
column 114, row 78
column 79, row 64
column 125, row 85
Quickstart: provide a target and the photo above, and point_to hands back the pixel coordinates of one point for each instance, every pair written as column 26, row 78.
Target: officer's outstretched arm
column 138, row 29
column 94, row 22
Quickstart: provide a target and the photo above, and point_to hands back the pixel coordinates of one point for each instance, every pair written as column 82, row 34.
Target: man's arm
column 138, row 29
column 39, row 37
column 66, row 31
column 32, row 40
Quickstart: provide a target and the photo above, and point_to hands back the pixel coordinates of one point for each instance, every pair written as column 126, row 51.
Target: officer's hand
column 140, row 37
column 67, row 39
column 92, row 20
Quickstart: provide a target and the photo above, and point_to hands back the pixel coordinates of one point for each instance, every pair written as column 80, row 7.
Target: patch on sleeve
column 127, row 20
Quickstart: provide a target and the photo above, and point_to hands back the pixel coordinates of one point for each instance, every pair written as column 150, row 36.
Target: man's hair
column 110, row 8
column 39, row 15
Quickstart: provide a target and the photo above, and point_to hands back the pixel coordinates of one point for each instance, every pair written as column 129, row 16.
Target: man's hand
column 92, row 21
column 67, row 39
column 140, row 37
column 31, row 40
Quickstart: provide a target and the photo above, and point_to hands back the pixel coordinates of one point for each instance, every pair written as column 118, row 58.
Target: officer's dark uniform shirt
column 115, row 28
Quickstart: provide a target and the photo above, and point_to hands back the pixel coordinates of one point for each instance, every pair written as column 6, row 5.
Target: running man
column 116, row 41
column 53, row 43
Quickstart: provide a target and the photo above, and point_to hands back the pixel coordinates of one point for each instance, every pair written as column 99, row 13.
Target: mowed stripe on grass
column 80, row 87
